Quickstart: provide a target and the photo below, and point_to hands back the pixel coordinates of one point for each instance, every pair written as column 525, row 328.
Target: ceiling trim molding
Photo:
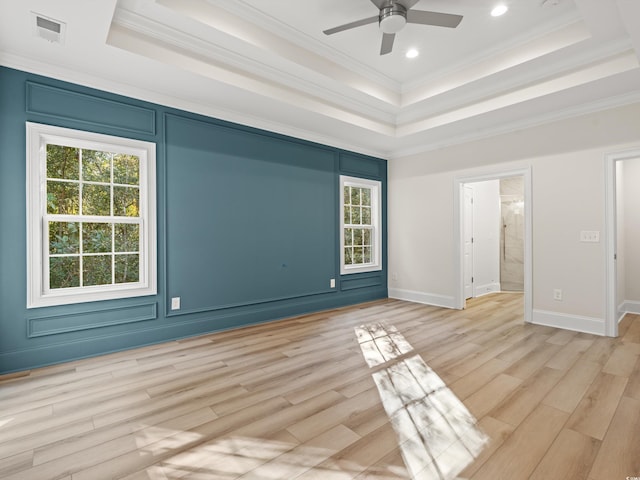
column 250, row 34
column 275, row 26
column 503, row 61
column 564, row 23
column 532, row 122
column 168, row 54
column 99, row 83
column 226, row 58
column 534, row 88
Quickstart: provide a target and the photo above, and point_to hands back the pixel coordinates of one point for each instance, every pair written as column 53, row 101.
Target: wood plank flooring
column 473, row 394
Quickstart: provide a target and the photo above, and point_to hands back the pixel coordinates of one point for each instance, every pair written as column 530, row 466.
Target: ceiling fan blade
column 387, row 43
column 348, row 26
column 437, row 19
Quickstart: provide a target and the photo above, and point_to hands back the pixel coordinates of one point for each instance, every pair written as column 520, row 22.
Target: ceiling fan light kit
column 393, row 15
column 392, row 19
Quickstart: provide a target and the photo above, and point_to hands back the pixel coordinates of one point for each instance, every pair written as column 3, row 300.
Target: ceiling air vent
column 48, row 28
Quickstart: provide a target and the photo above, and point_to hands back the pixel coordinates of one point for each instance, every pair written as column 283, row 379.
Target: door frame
column 611, row 313
column 458, row 218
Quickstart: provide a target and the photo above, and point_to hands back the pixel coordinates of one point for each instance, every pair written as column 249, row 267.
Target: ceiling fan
column 394, row 15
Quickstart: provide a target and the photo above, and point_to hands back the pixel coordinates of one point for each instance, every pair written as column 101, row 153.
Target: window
column 91, row 229
column 361, row 225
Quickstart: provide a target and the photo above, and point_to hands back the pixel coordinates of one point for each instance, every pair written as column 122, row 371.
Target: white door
column 468, row 241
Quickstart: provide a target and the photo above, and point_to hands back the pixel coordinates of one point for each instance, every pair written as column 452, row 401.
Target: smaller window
column 360, row 225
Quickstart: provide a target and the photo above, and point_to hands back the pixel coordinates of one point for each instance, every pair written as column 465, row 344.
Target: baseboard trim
column 422, row 297
column 486, row 289
column 104, row 341
column 630, row 306
column 578, row 323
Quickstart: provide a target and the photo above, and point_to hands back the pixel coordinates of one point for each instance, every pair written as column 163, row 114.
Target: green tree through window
column 101, row 189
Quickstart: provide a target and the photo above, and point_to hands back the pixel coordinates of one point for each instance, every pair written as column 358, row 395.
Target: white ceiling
column 266, row 63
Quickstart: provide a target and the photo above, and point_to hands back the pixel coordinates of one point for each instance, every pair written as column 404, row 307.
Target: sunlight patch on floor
column 437, row 434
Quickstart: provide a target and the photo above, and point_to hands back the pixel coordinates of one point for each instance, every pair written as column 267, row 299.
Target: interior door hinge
column 471, row 279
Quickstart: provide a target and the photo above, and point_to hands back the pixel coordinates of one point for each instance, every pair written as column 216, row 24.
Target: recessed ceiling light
column 412, row 53
column 499, row 10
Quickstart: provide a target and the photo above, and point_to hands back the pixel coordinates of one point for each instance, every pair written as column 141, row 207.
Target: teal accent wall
column 248, row 226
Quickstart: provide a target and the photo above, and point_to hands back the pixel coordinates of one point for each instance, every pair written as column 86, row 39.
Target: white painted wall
column 631, row 211
column 420, row 232
column 567, row 163
column 486, row 236
column 568, row 196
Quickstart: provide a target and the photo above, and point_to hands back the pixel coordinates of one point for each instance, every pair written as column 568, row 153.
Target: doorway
column 621, row 172
column 461, row 225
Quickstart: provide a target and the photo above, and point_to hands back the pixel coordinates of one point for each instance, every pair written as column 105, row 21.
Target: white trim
column 376, row 224
column 458, row 192
column 38, row 293
column 230, row 115
column 611, row 309
column 577, row 323
column 531, row 121
column 434, row 299
column 161, row 98
column 630, row 306
column 486, row 289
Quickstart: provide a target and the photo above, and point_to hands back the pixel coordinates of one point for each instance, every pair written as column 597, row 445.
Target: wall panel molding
column 359, row 166
column 264, row 244
column 58, row 103
column 90, row 319
column 348, row 282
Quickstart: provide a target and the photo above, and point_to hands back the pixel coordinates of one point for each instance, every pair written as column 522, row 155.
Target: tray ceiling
column 268, row 64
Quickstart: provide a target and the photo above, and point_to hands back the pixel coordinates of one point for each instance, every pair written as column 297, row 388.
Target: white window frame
column 376, row 222
column 38, row 292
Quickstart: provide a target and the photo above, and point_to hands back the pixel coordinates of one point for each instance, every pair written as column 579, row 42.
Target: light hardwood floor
column 298, row 399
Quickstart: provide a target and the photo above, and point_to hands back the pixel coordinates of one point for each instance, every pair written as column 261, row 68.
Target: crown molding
column 244, row 10
column 265, row 43
column 530, row 122
column 617, row 55
column 336, row 93
column 119, row 88
column 488, row 55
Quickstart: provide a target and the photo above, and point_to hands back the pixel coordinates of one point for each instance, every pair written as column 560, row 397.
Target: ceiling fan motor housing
column 392, row 18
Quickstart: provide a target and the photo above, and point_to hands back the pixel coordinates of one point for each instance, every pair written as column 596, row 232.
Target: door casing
column 611, row 309
column 458, row 210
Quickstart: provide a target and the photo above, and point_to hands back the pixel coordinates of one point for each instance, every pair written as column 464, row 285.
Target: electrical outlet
column 332, row 283
column 394, row 276
column 557, row 294
column 175, row 303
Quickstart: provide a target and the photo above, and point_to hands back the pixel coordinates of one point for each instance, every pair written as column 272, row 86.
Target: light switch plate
column 590, row 236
